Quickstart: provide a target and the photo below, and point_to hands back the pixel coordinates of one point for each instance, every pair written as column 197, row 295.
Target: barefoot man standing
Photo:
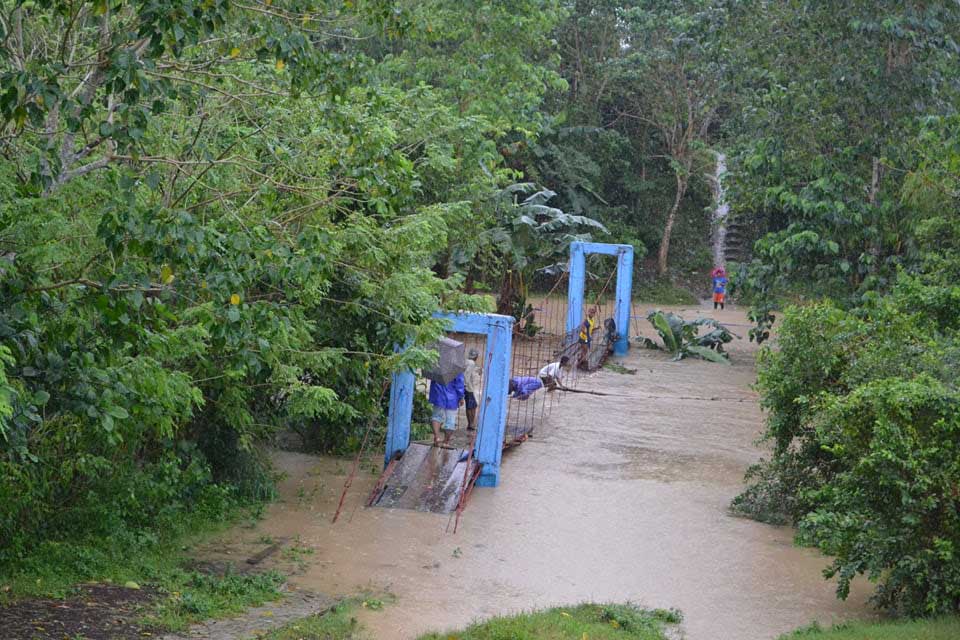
column 446, row 399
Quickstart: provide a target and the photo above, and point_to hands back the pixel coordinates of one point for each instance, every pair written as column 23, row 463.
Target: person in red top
column 719, row 276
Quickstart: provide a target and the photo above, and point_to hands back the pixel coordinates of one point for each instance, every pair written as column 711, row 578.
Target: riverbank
column 594, row 621
column 602, row 622
column 622, row 498
column 102, row 589
column 939, row 629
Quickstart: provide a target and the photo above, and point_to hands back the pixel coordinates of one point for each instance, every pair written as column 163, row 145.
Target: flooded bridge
column 615, row 498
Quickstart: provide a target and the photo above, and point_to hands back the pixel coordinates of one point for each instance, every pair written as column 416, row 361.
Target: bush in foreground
column 863, row 418
column 940, row 629
column 595, row 621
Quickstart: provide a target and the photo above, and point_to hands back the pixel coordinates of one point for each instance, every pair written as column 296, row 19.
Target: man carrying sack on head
column 446, row 388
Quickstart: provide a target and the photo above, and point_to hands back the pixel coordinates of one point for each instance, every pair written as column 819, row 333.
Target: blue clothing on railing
column 522, row 387
column 449, row 395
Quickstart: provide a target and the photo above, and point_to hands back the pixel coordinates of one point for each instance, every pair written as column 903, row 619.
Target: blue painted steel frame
column 493, row 406
column 578, row 274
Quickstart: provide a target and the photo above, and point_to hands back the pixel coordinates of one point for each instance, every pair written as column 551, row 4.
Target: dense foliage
column 847, row 170
column 218, row 219
column 864, row 413
column 629, row 139
column 826, row 139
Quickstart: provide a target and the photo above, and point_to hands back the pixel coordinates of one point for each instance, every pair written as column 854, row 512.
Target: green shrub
column 663, row 291
column 104, row 499
column 682, row 337
column 598, row 621
column 947, row 628
column 893, row 511
column 863, row 414
column 811, row 357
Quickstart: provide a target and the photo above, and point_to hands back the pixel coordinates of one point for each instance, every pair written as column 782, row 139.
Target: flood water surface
column 617, row 498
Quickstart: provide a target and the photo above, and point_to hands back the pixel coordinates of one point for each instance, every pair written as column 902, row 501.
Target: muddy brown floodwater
column 619, row 498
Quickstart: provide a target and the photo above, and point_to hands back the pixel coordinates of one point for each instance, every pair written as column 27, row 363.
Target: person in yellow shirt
column 587, row 327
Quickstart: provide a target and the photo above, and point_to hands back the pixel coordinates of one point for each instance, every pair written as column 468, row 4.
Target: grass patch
column 939, row 629
column 665, row 292
column 158, row 559
column 594, row 621
column 338, row 623
column 190, row 596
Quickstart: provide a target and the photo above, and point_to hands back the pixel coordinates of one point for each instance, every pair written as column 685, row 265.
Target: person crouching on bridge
column 446, row 400
column 471, row 379
column 522, row 387
column 553, row 374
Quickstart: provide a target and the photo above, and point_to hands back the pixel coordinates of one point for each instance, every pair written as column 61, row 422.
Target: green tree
column 602, row 161
column 84, row 98
column 529, row 233
column 216, row 220
column 671, row 82
column 862, row 411
column 830, row 98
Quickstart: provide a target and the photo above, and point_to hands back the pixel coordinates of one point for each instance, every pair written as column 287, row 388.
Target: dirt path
column 258, row 620
column 95, row 612
column 617, row 498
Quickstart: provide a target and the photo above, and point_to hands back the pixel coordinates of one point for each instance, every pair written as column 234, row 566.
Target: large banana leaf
column 715, row 339
column 707, row 354
column 681, row 337
column 539, row 198
column 662, row 325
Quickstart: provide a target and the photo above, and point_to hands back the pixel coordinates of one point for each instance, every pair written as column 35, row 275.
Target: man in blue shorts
column 446, row 399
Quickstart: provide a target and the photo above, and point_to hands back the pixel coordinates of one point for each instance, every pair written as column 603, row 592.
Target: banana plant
column 682, row 337
column 527, row 233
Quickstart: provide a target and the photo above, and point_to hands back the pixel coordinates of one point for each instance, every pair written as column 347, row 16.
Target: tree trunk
column 507, row 295
column 469, row 282
column 875, row 182
column 876, row 244
column 668, row 228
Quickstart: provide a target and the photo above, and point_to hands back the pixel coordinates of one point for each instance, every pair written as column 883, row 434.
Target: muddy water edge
column 618, row 498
